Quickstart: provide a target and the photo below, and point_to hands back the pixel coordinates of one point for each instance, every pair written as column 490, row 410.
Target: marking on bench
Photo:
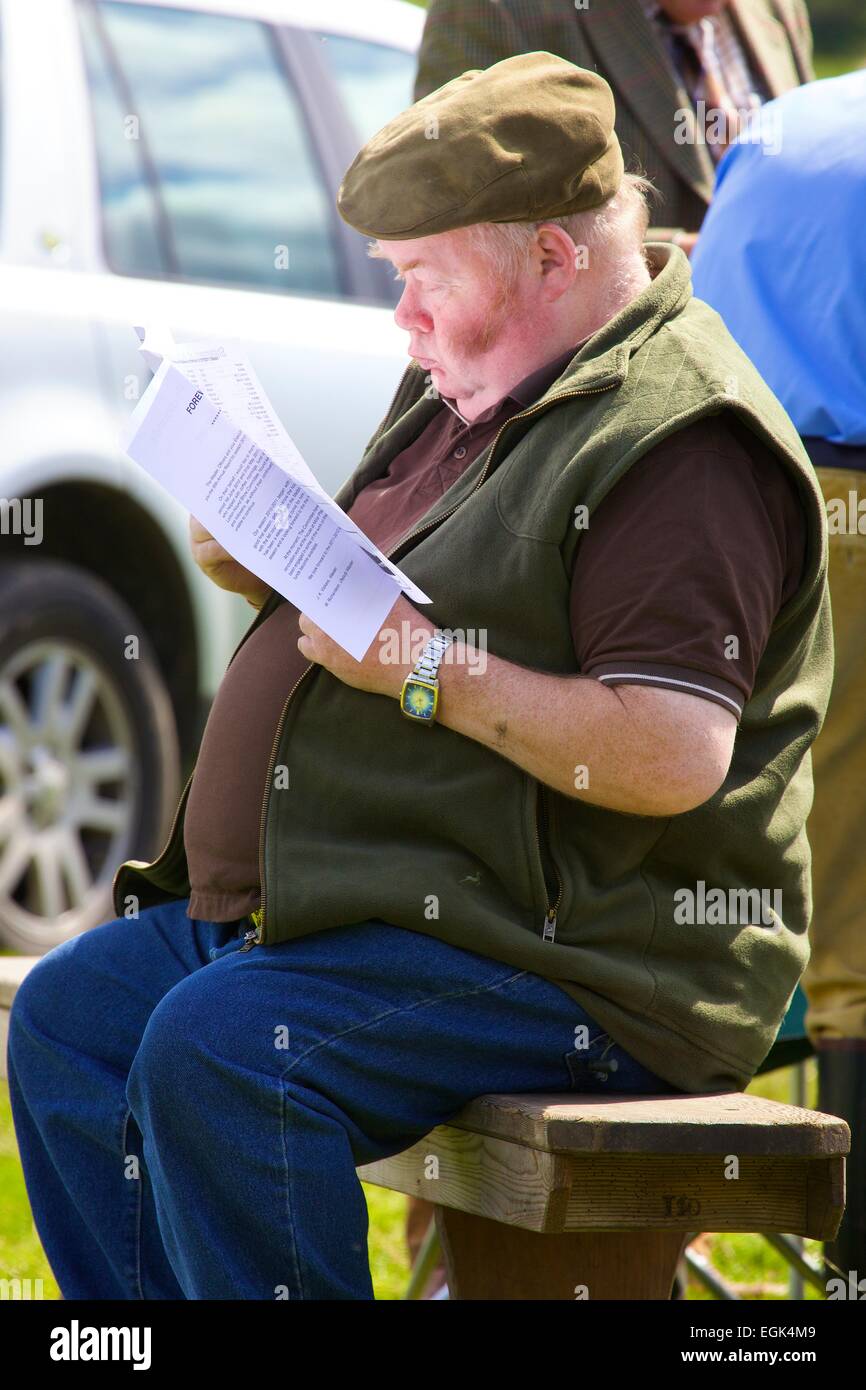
column 685, row 1206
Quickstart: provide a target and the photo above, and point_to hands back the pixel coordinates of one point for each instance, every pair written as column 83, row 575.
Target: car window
column 205, row 165
column 374, row 79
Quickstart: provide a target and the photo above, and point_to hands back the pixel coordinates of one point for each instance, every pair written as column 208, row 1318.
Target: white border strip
column 669, row 680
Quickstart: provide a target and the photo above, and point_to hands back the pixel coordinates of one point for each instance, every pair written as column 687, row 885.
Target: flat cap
column 529, row 138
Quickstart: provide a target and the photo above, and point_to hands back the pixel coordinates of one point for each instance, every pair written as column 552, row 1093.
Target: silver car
column 174, row 164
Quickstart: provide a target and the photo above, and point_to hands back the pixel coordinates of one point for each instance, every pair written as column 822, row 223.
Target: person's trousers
column 190, row 1115
column 835, row 978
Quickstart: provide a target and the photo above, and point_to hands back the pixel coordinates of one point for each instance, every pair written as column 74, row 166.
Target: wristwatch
column 419, row 697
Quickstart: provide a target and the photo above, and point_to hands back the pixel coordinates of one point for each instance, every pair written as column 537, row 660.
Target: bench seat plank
column 729, row 1122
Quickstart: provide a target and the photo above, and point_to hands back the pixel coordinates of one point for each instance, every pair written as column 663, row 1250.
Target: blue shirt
column 782, row 253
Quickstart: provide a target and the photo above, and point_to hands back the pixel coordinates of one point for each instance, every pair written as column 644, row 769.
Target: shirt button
column 460, row 451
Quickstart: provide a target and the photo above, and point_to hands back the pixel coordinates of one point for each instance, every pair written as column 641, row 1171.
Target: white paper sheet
column 205, row 429
column 226, row 376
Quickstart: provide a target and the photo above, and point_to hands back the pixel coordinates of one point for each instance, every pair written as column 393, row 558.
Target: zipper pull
column 550, row 925
column 254, row 936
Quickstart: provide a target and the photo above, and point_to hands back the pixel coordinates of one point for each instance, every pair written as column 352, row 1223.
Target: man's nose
column 409, row 313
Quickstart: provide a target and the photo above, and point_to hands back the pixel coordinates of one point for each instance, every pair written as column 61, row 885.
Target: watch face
column 419, row 699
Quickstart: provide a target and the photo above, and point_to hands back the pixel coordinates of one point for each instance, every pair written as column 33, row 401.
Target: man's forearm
column 636, row 749
column 580, row 737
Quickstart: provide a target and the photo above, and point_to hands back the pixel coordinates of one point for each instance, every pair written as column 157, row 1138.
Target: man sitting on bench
column 561, row 846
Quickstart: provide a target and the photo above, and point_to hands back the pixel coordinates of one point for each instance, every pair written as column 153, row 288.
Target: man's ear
column 554, row 256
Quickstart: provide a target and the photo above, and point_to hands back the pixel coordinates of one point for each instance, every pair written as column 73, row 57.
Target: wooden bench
column 564, row 1197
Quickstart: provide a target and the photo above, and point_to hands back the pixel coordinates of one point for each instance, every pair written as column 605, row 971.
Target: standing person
column 783, row 258
column 684, row 73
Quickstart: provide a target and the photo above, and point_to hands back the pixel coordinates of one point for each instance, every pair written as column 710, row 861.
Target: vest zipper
column 549, row 924
column 256, row 936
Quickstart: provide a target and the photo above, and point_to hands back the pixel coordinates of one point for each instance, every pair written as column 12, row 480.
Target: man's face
column 690, row 11
column 461, row 321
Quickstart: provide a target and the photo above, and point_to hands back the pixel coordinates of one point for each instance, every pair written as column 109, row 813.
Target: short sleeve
column 686, row 563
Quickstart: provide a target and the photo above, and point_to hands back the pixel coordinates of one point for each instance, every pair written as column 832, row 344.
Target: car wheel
column 89, row 755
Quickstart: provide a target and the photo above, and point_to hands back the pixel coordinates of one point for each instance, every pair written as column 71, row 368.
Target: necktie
column 695, row 52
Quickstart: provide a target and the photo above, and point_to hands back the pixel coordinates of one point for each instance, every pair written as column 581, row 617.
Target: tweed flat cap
column 529, row 138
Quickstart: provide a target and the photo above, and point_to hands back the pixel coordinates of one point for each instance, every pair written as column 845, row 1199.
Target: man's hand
column 389, row 658
column 220, row 567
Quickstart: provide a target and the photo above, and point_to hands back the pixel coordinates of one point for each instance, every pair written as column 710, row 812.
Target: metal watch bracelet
column 427, row 666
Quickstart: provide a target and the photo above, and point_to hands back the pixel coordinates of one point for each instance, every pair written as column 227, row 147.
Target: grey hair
column 611, row 236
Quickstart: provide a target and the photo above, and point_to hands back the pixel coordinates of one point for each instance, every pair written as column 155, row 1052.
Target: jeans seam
column 290, row 1219
column 137, row 1203
column 326, row 1042
column 403, row 1009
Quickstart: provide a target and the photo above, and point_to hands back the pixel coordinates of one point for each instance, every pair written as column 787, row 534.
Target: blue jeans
column 190, row 1116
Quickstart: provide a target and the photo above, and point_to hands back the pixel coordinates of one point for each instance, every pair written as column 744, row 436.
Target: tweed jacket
column 616, row 39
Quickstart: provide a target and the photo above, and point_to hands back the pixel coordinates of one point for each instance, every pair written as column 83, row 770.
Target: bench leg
column 488, row 1259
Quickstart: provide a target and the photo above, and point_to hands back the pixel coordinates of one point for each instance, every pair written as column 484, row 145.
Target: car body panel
column 70, row 371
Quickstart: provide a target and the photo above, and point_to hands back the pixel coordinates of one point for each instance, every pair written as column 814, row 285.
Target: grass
column 835, row 64
column 746, row 1261
column 22, row 1256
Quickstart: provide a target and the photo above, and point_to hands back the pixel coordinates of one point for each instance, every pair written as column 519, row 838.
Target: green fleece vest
column 429, row 830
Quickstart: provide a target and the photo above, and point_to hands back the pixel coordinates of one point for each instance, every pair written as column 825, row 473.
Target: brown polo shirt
column 676, row 583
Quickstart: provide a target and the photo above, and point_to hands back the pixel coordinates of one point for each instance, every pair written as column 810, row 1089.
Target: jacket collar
column 604, row 359
column 771, row 45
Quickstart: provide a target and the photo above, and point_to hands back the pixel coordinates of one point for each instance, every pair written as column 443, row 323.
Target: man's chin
column 438, row 376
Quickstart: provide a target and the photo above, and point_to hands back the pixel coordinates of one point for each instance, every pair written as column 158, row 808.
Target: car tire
column 89, row 755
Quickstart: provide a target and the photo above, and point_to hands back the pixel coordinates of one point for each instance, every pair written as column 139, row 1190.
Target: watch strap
column 427, row 666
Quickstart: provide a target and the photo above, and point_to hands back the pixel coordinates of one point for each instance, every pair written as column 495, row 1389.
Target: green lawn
column 834, row 64
column 22, row 1257
column 744, row 1260
column 21, row 1254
